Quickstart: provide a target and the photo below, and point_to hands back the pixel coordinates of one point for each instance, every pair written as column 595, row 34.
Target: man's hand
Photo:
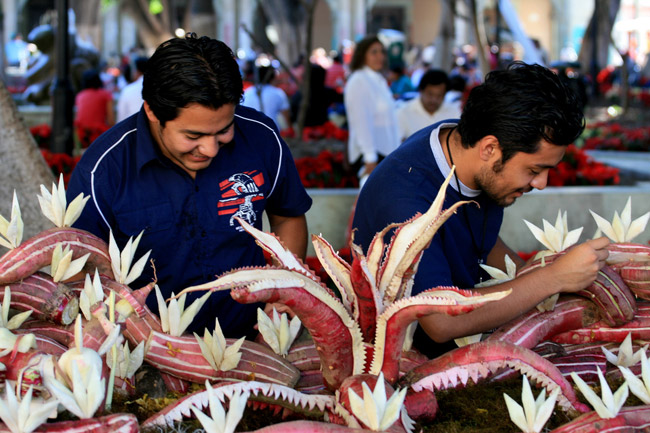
column 368, row 168
column 579, row 266
column 280, row 308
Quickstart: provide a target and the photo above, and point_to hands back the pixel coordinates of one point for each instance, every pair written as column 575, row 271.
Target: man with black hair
column 429, row 107
column 514, row 128
column 183, row 168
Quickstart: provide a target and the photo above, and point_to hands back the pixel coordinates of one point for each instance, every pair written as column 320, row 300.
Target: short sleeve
column 288, row 197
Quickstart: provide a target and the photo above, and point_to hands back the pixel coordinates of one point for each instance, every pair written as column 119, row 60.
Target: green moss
column 481, row 409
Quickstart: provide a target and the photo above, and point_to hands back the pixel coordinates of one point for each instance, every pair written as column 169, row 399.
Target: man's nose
column 540, row 181
column 209, row 146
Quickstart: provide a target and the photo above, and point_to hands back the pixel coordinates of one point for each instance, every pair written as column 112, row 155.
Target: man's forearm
column 292, row 231
column 527, row 291
column 496, row 258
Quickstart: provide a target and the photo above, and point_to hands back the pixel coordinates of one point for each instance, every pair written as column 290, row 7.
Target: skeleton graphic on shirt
column 245, row 212
column 244, row 184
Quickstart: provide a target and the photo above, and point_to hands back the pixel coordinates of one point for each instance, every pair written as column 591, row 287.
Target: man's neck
column 459, row 156
column 430, row 113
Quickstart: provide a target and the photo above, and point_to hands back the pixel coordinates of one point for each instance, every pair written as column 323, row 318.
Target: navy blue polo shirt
column 189, row 223
column 405, row 183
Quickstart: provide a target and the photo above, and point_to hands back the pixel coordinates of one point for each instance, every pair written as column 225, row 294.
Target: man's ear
column 488, row 148
column 149, row 112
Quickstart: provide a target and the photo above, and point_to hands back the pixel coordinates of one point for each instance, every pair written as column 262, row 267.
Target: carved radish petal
column 218, row 421
column 27, row 415
column 12, row 231
column 639, row 387
column 607, row 406
column 272, row 245
column 626, row 357
column 535, row 412
column 374, row 410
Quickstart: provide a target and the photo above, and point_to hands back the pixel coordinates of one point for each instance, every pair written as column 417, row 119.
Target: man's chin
column 508, row 200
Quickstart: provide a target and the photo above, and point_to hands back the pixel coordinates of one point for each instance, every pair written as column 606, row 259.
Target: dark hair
column 520, row 106
column 433, row 77
column 317, row 79
column 191, row 70
column 457, row 82
column 359, row 56
column 140, row 64
column 265, row 74
column 90, row 80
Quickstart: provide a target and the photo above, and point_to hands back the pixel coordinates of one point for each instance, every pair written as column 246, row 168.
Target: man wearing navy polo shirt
column 183, row 168
column 513, row 129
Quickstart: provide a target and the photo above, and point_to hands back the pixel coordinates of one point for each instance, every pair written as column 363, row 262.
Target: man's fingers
column 599, row 243
column 602, row 255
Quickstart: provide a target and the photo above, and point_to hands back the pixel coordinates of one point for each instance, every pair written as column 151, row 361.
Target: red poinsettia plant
column 327, row 170
column 578, row 168
column 60, row 163
column 614, row 136
column 327, row 130
column 42, row 134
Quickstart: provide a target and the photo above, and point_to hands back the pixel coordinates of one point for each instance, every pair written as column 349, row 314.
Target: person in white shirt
column 268, row 99
column 429, row 107
column 370, row 108
column 130, row 99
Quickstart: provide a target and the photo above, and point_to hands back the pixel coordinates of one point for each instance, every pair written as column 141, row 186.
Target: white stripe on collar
column 443, row 165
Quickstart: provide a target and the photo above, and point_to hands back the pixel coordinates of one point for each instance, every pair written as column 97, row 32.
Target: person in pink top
column 94, row 108
column 335, row 75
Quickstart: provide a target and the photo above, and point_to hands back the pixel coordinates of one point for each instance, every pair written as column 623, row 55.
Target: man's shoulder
column 112, row 143
column 279, row 93
column 250, row 90
column 356, row 78
column 449, row 110
column 131, row 89
column 251, row 120
column 409, row 106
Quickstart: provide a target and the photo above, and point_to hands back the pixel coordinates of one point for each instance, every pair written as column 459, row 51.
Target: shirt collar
column 441, row 160
column 372, row 73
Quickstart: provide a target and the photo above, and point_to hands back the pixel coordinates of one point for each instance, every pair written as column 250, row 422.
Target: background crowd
column 359, row 95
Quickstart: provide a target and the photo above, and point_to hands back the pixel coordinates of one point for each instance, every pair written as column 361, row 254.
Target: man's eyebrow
column 201, row 133
column 232, row 122
column 546, row 165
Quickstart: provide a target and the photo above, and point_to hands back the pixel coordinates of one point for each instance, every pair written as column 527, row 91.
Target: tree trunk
column 481, row 40
column 595, row 44
column 306, row 76
column 152, row 29
column 625, row 77
column 443, row 57
column 87, row 13
column 289, row 19
column 24, row 169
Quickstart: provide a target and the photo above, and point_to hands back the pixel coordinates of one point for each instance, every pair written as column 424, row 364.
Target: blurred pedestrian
column 267, row 98
column 335, row 74
column 370, row 108
column 321, row 97
column 400, row 83
column 16, row 51
column 130, row 99
column 429, row 107
column 94, row 108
